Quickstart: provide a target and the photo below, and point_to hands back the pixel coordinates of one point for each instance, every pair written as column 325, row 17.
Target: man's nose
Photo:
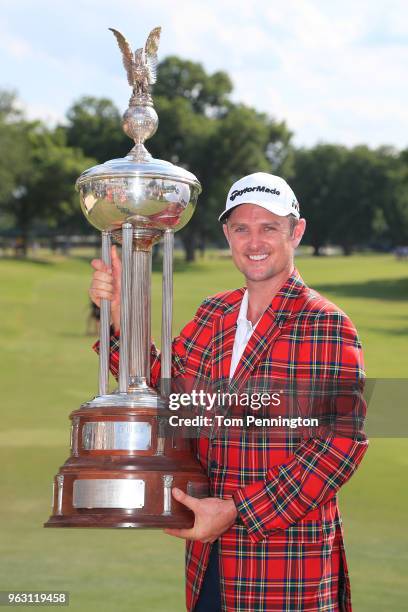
column 254, row 241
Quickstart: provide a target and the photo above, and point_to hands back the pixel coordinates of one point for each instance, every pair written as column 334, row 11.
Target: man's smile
column 259, row 257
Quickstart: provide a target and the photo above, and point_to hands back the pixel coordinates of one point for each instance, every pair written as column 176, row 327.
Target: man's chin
column 259, row 276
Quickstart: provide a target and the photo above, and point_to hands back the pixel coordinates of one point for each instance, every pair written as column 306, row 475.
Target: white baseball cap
column 267, row 190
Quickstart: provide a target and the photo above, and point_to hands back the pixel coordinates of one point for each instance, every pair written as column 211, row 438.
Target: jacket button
column 213, row 464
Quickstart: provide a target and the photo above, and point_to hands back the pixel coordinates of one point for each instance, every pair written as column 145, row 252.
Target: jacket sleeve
column 321, row 464
column 114, row 352
column 178, row 353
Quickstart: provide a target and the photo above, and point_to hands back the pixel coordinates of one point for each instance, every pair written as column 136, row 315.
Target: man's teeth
column 258, row 257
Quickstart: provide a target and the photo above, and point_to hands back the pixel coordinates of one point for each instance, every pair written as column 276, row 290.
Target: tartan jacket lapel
column 224, row 329
column 266, row 331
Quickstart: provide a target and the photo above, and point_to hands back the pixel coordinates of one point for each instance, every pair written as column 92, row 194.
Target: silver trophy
column 122, row 465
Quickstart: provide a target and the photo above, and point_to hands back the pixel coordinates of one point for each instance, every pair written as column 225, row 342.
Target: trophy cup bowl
column 123, row 461
column 153, row 195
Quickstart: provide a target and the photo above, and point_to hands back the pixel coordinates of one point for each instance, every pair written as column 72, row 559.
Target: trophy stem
column 125, row 300
column 104, row 323
column 167, row 312
column 141, row 318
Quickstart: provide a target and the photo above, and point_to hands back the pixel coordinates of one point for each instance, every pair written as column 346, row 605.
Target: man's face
column 262, row 245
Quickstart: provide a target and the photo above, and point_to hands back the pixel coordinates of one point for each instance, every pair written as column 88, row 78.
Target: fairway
column 48, row 370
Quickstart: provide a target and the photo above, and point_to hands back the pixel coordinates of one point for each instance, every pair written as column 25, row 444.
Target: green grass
column 48, row 369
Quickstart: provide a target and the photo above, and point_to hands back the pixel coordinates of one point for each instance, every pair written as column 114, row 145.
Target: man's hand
column 106, row 284
column 213, row 516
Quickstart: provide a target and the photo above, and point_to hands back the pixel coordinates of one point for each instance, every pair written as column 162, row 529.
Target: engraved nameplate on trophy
column 108, row 493
column 116, row 435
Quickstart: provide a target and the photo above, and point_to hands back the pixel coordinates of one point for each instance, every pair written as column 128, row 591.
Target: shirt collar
column 282, row 304
column 243, row 314
column 243, row 311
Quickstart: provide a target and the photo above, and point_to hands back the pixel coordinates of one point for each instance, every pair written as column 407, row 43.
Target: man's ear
column 226, row 232
column 298, row 232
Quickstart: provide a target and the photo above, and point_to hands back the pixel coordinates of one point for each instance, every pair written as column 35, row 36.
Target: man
column 270, row 536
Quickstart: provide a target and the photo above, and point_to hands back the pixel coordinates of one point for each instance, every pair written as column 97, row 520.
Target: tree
column 244, row 141
column 9, row 108
column 315, row 181
column 394, row 204
column 218, row 150
column 359, row 191
column 182, row 138
column 15, row 158
column 206, row 93
column 200, row 128
column 12, row 144
column 95, row 126
column 352, row 197
column 43, row 184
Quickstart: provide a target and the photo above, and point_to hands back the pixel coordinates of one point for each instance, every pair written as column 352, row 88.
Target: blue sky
column 335, row 71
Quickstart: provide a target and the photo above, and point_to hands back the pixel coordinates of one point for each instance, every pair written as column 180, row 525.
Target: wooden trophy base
column 121, row 472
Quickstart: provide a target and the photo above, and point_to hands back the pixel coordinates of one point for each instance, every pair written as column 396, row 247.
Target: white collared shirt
column 244, row 331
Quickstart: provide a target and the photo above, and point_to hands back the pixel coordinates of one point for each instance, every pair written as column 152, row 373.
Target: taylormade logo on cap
column 236, row 193
column 266, row 190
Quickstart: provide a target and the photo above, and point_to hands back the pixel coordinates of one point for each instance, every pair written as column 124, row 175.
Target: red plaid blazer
column 285, row 552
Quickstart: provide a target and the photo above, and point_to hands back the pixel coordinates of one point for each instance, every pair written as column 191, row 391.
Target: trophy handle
column 104, row 323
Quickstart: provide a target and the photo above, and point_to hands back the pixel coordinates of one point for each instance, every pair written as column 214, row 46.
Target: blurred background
column 313, row 92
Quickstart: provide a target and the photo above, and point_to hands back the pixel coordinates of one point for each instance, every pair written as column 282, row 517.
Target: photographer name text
column 247, row 421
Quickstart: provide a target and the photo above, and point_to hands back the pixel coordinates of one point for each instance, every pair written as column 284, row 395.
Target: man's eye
column 240, row 229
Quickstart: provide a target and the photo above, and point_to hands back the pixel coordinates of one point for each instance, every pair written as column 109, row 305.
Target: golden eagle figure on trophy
column 141, row 66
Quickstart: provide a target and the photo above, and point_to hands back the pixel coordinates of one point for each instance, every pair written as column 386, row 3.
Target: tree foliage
column 315, row 178
column 201, row 129
column 206, row 93
column 38, row 177
column 350, row 197
column 94, row 126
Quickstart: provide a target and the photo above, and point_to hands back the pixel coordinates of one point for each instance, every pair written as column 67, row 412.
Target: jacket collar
column 268, row 328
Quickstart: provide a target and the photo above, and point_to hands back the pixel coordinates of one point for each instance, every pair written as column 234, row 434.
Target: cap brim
column 225, row 213
column 277, row 210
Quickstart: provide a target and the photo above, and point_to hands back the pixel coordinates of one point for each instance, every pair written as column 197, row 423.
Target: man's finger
column 104, row 277
column 115, row 257
column 101, row 295
column 187, row 500
column 185, row 534
column 98, row 264
column 100, row 286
